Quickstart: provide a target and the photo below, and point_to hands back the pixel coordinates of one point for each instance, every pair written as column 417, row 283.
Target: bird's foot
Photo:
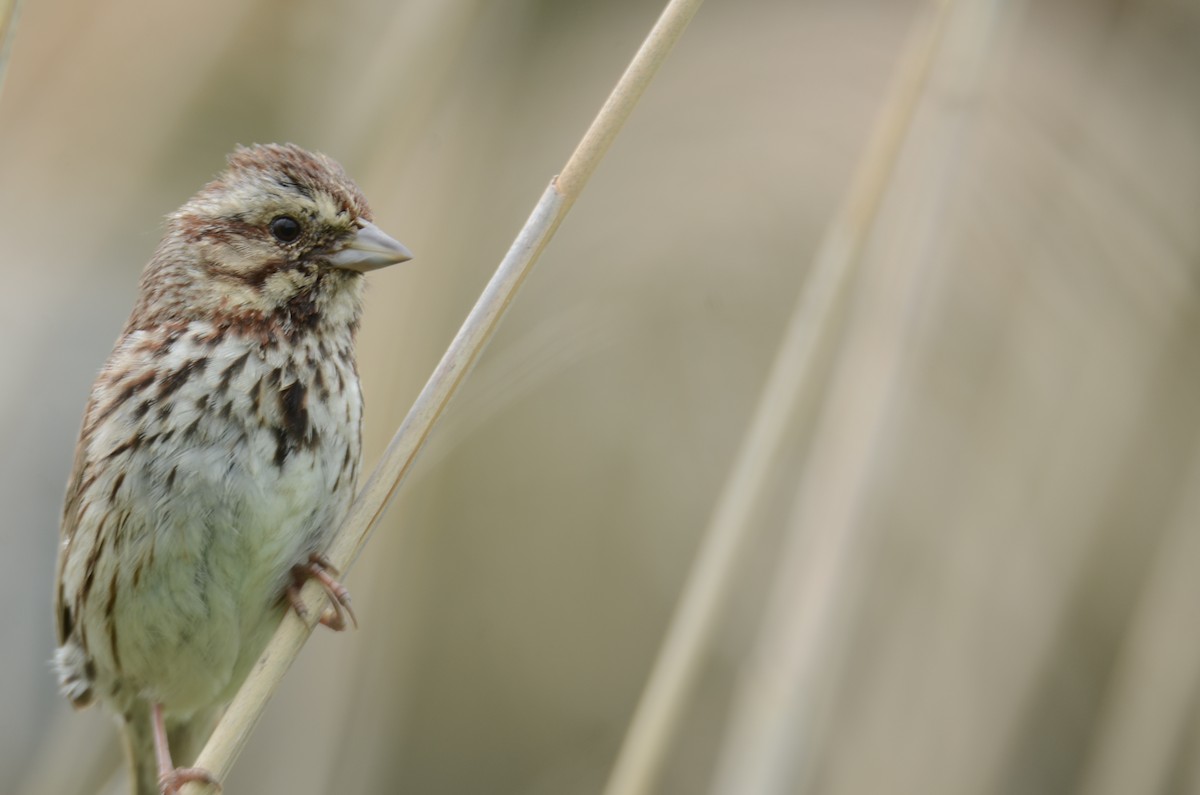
column 173, row 780
column 319, row 568
column 170, row 778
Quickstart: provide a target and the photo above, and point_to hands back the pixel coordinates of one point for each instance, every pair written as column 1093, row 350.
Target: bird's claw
column 173, row 780
column 320, row 569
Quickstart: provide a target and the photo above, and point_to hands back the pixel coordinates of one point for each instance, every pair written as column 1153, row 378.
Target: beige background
column 1022, row 611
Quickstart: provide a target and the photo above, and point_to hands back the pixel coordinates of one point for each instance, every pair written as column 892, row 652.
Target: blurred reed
column 783, row 419
column 1013, row 614
column 781, row 706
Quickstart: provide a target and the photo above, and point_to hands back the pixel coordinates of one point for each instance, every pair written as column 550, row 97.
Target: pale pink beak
column 370, row 248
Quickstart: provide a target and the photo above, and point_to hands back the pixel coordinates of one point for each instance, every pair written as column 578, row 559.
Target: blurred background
column 1017, row 610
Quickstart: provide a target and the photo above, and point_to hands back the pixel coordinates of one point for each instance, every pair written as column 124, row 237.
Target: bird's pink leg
column 318, row 568
column 171, row 778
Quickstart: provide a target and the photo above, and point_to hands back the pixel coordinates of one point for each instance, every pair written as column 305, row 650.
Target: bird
column 219, row 450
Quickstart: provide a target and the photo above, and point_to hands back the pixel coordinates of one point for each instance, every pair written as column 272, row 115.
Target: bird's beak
column 370, row 248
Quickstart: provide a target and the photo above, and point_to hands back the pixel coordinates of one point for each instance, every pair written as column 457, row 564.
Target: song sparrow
column 219, row 449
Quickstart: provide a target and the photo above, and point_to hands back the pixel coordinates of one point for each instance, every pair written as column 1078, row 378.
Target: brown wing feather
column 63, row 619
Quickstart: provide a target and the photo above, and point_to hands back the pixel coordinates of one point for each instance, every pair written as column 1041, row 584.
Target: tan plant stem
column 782, row 704
column 790, row 387
column 243, row 713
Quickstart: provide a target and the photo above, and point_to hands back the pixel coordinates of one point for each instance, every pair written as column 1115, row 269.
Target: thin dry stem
column 789, row 387
column 243, row 713
column 625, row 96
column 781, row 705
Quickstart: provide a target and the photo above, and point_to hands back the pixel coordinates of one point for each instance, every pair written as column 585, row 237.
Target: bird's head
column 282, row 237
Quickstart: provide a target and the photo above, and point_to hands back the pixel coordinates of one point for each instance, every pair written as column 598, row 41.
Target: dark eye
column 285, row 228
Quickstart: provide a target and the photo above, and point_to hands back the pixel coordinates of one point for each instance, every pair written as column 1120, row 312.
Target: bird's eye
column 285, row 228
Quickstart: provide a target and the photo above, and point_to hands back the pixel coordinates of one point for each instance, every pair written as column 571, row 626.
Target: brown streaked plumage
column 219, row 448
